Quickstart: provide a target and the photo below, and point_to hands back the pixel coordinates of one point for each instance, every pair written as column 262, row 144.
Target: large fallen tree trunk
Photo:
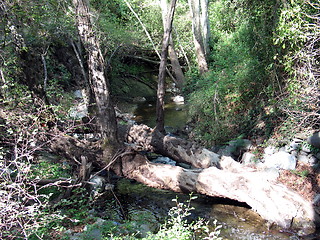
column 180, row 150
column 274, row 202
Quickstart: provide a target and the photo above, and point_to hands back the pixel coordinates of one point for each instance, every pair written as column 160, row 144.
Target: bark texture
column 98, row 82
column 274, row 202
column 162, row 68
column 176, row 68
column 180, row 150
column 198, row 35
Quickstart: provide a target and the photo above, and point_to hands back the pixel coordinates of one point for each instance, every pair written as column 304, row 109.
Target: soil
column 305, row 180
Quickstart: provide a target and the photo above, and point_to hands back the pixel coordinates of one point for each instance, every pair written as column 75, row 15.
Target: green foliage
column 303, row 173
column 175, row 227
column 227, row 101
column 294, row 40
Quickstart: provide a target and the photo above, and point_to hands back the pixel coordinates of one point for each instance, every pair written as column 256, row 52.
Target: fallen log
column 147, row 139
column 274, row 202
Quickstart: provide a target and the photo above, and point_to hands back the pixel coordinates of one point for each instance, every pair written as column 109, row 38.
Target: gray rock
column 269, row 150
column 295, row 144
column 97, row 184
column 305, row 148
column 225, row 151
column 94, row 233
column 210, row 157
column 312, row 159
column 178, row 99
column 294, row 153
column 109, row 187
column 79, row 111
column 316, row 199
column 281, row 160
column 78, row 94
column 139, row 99
column 248, row 158
column 240, row 145
column 314, row 140
column 164, row 160
column 303, row 158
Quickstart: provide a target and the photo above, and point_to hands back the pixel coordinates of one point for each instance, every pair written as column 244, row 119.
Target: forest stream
column 237, row 220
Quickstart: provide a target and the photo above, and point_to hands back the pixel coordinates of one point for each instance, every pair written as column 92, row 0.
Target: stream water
column 175, row 114
column 237, row 219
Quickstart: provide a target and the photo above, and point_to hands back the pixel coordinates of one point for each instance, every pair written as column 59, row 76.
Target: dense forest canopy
column 262, row 59
column 253, row 74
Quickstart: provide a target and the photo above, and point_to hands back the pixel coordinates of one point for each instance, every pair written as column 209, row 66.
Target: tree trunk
column 205, row 26
column 97, row 79
column 195, row 9
column 162, row 68
column 180, row 150
column 172, row 53
column 274, row 202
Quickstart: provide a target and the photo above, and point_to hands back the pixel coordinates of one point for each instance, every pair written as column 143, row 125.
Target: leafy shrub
column 228, row 101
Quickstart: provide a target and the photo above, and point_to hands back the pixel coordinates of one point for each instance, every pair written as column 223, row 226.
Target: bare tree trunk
column 162, row 68
column 149, row 37
column 180, row 150
column 205, row 25
column 86, row 91
column 273, row 201
column 195, row 9
column 99, row 83
column 172, row 53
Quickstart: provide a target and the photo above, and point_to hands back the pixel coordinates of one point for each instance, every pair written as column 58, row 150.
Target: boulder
column 178, row 99
column 248, row 158
column 314, row 140
column 281, row 160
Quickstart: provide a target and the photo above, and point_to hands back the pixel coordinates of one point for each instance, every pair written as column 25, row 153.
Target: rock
column 295, row 144
column 78, row 94
column 109, row 187
column 248, row 158
column 239, row 146
column 225, row 151
column 139, row 99
column 281, row 160
column 178, row 99
column 210, row 157
column 305, row 148
column 164, row 160
column 78, row 112
column 97, row 184
column 144, row 220
column 303, row 158
column 316, row 200
column 314, row 140
column 307, row 159
column 268, row 151
column 312, row 159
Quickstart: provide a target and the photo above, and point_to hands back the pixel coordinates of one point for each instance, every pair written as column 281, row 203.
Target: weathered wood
column 274, row 202
column 180, row 150
column 99, row 84
column 162, row 68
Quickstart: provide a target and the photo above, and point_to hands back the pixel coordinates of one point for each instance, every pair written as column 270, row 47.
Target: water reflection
column 175, row 114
